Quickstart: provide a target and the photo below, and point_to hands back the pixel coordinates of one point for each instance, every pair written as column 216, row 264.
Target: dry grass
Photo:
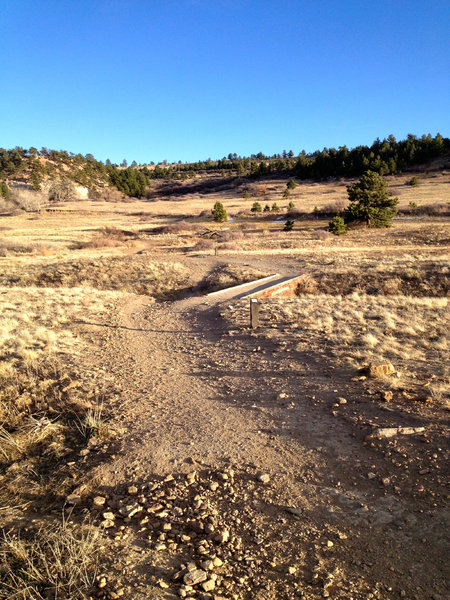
column 412, row 333
column 53, row 562
column 127, row 274
column 229, row 275
column 43, row 393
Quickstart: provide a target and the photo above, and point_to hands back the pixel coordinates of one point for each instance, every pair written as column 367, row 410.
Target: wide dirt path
column 277, row 466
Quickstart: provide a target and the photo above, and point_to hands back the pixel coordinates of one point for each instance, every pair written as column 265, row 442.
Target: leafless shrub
column 334, row 208
column 430, row 210
column 204, row 245
column 27, row 199
column 107, row 237
column 321, row 234
column 178, row 227
column 230, row 246
column 7, row 248
column 307, row 285
column 228, row 236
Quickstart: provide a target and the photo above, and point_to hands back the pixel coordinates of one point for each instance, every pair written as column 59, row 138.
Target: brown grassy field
column 368, row 296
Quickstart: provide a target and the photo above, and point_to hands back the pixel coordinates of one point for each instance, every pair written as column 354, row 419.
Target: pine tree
column 289, row 225
column 256, row 207
column 370, row 202
column 337, row 226
column 219, row 213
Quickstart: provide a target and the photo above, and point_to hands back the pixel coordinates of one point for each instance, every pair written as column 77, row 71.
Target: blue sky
column 192, row 79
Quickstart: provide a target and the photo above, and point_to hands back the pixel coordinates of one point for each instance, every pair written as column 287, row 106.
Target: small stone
column 208, row 565
column 99, row 501
column 208, row 585
column 386, row 481
column 387, row 395
column 109, row 516
column 371, row 475
column 107, row 523
column 132, row 490
column 380, row 370
column 342, row 401
column 291, row 570
column 102, row 582
column 84, row 452
column 264, row 478
column 213, row 486
column 330, row 544
column 163, row 584
column 222, row 536
column 160, row 547
column 73, row 499
column 218, row 562
column 195, row 577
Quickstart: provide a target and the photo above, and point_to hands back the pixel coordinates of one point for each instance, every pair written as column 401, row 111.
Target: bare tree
column 61, row 190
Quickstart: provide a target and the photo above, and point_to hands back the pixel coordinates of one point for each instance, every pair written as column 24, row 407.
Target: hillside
column 32, row 179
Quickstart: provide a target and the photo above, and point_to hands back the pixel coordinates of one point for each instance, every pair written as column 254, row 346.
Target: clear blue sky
column 192, row 79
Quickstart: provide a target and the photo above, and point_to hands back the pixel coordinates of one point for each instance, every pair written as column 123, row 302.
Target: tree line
column 385, row 157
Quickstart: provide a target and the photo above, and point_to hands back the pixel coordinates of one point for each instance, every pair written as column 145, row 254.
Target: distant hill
column 31, row 175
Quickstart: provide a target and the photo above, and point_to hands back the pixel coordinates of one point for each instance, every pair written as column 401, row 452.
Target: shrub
column 246, row 195
column 337, row 226
column 219, row 213
column 286, row 193
column 291, row 205
column 306, row 285
column 266, row 208
column 275, row 207
column 289, row 225
column 204, row 245
column 291, row 185
column 256, row 207
column 413, row 181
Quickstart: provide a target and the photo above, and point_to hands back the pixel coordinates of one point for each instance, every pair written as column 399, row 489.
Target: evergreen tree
column 370, row 202
column 256, row 207
column 275, row 207
column 267, row 208
column 219, row 213
column 291, row 185
column 35, row 181
column 289, row 225
column 291, row 205
column 4, row 190
column 337, row 226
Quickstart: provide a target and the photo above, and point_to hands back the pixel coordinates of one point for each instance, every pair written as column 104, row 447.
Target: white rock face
column 81, row 192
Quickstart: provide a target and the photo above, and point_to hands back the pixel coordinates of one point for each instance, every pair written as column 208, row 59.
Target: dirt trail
column 197, row 396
